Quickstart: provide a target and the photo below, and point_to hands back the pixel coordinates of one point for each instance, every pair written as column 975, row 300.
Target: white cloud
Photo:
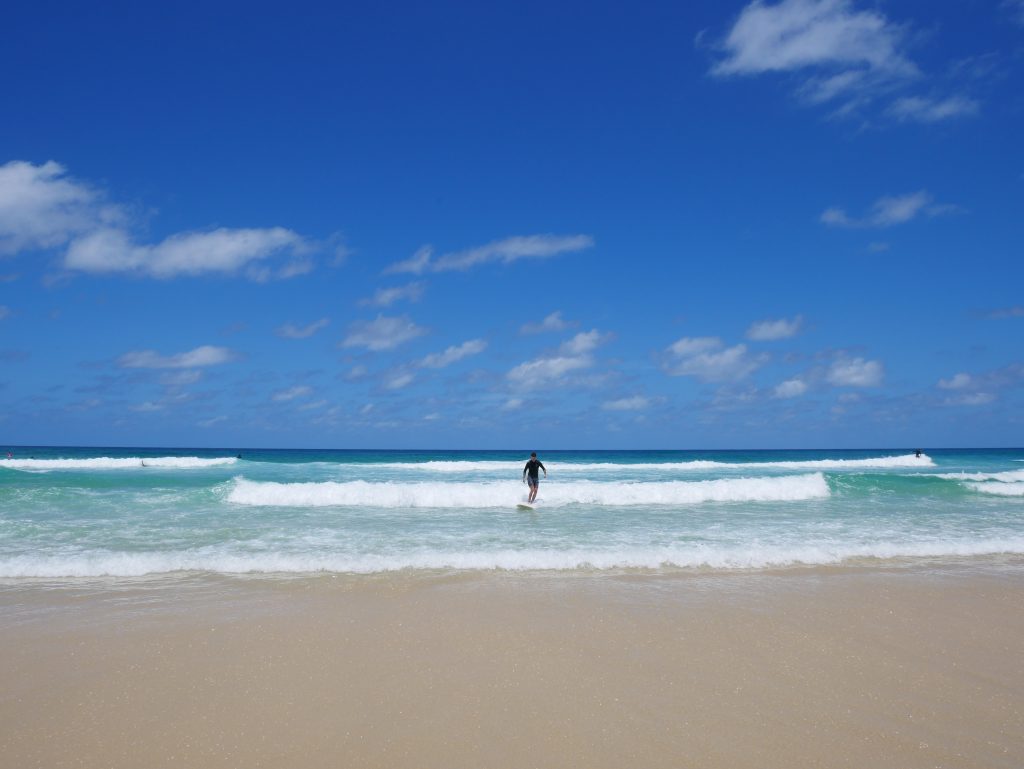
column 146, row 407
column 542, row 371
column 385, row 297
column 583, row 343
column 181, row 378
column 40, row 207
column 504, row 251
column 291, row 393
column 841, row 54
column 890, row 210
column 959, row 381
column 206, row 355
column 512, row 404
column 693, row 345
column 769, row 330
column 552, row 322
column 791, row 388
column 4, row 311
column 212, row 421
column 290, row 331
column 357, row 372
column 841, row 45
column 312, row 405
column 855, row 372
column 384, row 333
column 704, row 358
column 635, row 403
column 926, row 110
column 454, row 354
column 573, row 355
column 398, row 380
column 971, row 399
column 416, row 264
column 191, row 253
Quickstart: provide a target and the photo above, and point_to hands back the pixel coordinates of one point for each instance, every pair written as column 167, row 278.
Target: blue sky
column 485, row 225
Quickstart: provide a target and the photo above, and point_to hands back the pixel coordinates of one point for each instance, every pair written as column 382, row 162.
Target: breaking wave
column 869, row 463
column 999, row 489
column 115, row 463
column 506, row 493
column 695, row 556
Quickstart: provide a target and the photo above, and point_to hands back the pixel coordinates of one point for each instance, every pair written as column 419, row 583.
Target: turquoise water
column 75, row 512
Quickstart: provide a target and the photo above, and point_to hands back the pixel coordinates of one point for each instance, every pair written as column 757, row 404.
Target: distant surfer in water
column 531, row 474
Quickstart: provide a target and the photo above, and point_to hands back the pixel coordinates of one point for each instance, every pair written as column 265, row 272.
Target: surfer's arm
column 543, row 468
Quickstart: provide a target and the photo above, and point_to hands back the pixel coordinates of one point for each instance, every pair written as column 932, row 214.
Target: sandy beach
column 814, row 668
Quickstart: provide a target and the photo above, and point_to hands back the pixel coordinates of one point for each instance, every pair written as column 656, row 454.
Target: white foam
column 999, row 488
column 684, row 557
column 507, row 493
column 463, row 466
column 115, row 463
column 1009, row 476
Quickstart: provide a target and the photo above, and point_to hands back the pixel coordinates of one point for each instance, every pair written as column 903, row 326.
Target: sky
column 455, row 225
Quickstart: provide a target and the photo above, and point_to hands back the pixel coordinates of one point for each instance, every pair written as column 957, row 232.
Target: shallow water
column 69, row 512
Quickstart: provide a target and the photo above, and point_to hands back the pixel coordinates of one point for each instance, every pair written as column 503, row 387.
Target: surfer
column 530, row 474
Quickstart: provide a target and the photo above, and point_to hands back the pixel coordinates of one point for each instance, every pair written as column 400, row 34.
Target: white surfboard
column 524, row 506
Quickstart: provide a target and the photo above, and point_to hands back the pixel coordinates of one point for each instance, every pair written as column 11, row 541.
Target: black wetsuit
column 533, row 467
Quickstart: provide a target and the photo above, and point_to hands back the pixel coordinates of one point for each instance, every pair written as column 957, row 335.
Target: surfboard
column 524, row 507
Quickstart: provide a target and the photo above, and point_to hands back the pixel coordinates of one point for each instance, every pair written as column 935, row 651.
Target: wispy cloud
column 385, row 297
column 383, row 333
column 191, row 253
column 453, row 354
column 921, row 109
column 983, row 388
column 399, row 379
column 1016, row 10
column 1007, row 312
column 503, row 251
column 891, row 210
column 291, row 393
column 771, row 330
column 5, row 311
column 553, row 322
column 839, row 54
column 855, row 372
column 207, row 355
column 959, row 381
column 291, row 331
column 706, row 358
column 634, row 403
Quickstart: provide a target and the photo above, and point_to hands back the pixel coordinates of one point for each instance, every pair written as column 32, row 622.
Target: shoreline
column 828, row 667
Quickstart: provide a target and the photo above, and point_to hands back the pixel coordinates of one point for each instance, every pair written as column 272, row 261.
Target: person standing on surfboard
column 531, row 471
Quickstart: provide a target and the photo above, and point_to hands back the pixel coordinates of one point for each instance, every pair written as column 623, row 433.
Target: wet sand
column 821, row 668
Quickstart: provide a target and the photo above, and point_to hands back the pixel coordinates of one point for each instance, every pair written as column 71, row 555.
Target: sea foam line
column 507, row 493
column 679, row 557
column 462, row 466
column 115, row 463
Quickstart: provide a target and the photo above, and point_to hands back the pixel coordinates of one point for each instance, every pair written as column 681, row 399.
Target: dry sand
column 869, row 668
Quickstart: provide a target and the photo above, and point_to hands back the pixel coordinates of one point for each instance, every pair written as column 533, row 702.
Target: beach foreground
column 811, row 668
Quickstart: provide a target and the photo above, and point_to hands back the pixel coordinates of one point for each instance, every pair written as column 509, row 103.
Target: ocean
column 72, row 513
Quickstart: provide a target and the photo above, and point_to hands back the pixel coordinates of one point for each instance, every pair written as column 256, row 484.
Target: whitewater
column 73, row 513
